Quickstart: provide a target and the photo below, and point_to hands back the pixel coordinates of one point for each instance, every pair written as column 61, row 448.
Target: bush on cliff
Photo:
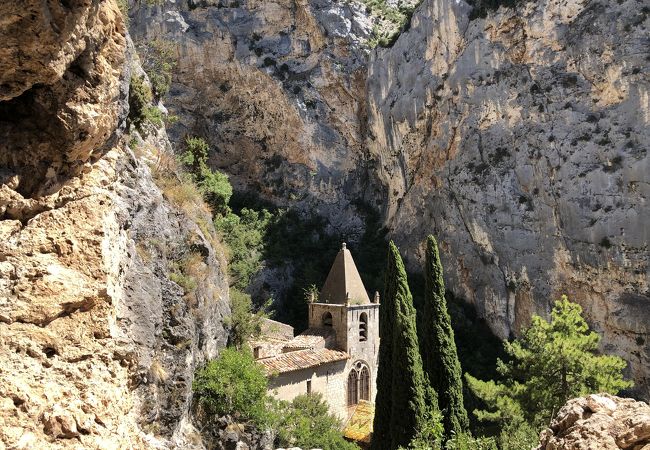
column 307, row 423
column 235, row 385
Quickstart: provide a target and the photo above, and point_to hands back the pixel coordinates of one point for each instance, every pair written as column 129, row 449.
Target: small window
column 308, row 387
column 363, row 327
column 256, row 352
column 327, row 319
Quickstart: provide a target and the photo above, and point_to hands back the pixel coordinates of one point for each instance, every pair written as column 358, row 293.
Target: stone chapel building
column 337, row 355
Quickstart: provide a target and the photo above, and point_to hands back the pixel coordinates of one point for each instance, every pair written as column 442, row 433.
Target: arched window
column 363, row 327
column 364, row 384
column 327, row 319
column 353, row 391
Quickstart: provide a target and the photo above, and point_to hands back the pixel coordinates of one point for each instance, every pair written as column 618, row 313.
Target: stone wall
column 328, row 380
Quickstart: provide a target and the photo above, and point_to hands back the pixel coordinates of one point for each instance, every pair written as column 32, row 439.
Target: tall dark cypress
column 400, row 403
column 439, row 355
column 383, row 401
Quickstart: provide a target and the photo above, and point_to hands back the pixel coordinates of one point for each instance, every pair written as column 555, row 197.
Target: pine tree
column 401, row 410
column 551, row 363
column 439, row 356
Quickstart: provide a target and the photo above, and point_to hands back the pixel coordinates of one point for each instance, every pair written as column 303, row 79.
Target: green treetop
column 439, row 356
column 551, row 363
column 401, row 410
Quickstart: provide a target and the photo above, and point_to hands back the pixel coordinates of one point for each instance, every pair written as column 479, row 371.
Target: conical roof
column 344, row 282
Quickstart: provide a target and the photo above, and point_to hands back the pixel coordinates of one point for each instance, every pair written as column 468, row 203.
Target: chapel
column 337, row 354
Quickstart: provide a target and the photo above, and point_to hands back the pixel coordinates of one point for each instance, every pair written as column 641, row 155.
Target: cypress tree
column 439, row 356
column 400, row 411
column 383, row 400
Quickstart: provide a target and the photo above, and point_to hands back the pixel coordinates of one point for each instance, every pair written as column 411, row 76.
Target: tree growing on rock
column 401, row 409
column 551, row 363
column 439, row 355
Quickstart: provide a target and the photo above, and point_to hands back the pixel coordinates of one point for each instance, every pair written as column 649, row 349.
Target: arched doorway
column 326, row 319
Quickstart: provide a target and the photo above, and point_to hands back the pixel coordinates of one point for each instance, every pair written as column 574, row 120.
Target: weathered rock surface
column 521, row 141
column 97, row 345
column 277, row 87
column 602, row 422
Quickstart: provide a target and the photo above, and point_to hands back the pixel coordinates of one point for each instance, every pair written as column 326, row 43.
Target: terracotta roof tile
column 311, row 338
column 301, row 359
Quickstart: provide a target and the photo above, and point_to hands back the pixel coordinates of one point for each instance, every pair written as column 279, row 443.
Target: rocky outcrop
column 521, row 140
column 97, row 344
column 600, row 421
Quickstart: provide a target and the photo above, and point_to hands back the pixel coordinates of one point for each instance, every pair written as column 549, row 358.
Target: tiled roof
column 359, row 427
column 344, row 282
column 301, row 359
column 311, row 338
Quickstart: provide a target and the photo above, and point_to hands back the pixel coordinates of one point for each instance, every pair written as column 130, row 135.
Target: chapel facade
column 337, row 355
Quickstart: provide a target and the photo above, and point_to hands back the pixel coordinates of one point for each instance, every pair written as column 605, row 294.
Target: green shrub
column 139, row 101
column 158, row 60
column 307, row 423
column 214, row 185
column 244, row 322
column 244, row 235
column 234, row 384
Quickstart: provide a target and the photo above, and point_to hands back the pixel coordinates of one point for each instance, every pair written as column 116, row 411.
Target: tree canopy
column 551, row 363
column 439, row 356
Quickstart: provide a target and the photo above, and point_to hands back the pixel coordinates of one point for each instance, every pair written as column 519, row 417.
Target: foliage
column 552, row 362
column 439, row 356
column 234, row 384
column 465, row 441
column 390, row 20
column 401, row 410
column 141, row 111
column 158, row 61
column 244, row 322
column 214, row 185
column 244, row 235
column 518, row 436
column 307, row 423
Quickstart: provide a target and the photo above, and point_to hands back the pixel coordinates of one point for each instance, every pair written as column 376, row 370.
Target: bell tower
column 344, row 306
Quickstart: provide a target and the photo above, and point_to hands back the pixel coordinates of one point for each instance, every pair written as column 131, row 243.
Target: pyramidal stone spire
column 343, row 284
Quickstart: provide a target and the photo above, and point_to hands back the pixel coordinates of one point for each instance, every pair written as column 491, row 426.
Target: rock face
column 601, row 422
column 277, row 87
column 521, row 141
column 97, row 345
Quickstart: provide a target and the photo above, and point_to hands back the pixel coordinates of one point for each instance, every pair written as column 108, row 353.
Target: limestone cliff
column 97, row 345
column 277, row 87
column 521, row 141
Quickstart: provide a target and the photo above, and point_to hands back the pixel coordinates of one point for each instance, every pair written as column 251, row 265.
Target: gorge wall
column 97, row 345
column 519, row 139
